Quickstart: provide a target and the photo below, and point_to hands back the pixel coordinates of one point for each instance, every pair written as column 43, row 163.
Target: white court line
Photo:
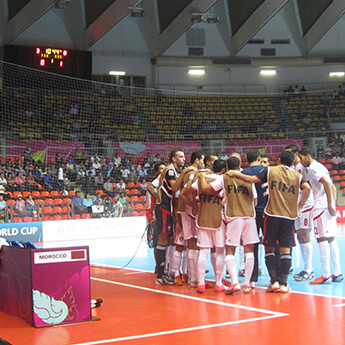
column 338, row 305
column 278, row 314
column 272, row 315
column 148, row 335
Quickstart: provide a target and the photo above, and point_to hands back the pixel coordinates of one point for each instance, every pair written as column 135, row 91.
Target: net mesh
column 39, row 106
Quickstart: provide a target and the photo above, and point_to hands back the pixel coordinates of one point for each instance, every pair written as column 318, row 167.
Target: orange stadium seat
column 17, row 220
column 57, row 217
column 47, row 218
column 49, row 201
column 25, row 194
column 57, row 209
column 58, row 201
column 86, row 216
column 36, row 194
column 45, row 194
column 27, row 219
column 48, row 210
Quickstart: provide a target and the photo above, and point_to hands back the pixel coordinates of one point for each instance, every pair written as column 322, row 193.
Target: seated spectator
column 11, row 183
column 336, row 161
column 66, row 183
column 27, row 155
column 336, row 149
column 123, row 200
column 335, row 94
column 78, row 156
column 117, row 207
column 88, row 203
column 30, row 182
column 19, row 206
column 124, row 173
column 20, row 181
column 70, row 170
column 143, row 187
column 78, row 203
column 89, row 183
column 224, row 156
column 3, row 208
column 97, row 199
column 80, row 176
column 110, row 167
column 142, row 173
column 320, row 151
column 115, row 173
column 48, row 181
column 30, row 206
column 108, row 187
column 328, row 151
column 121, row 187
column 133, row 176
column 157, row 158
column 58, row 159
column 3, row 183
column 96, row 165
column 117, row 159
column 324, row 99
column 99, row 180
column 126, row 159
column 37, row 174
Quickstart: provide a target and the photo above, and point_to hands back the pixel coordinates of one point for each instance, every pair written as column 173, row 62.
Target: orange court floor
column 136, row 311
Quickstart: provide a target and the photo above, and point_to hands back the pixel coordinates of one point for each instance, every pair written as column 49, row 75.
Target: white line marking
column 192, row 298
column 148, row 335
column 338, row 305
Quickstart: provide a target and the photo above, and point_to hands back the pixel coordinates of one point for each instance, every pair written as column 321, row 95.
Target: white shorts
column 179, row 239
column 324, row 224
column 188, row 226
column 211, row 238
column 304, row 220
column 241, row 231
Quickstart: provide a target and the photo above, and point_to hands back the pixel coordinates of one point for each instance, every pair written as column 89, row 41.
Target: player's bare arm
column 329, row 193
column 305, row 195
column 243, row 177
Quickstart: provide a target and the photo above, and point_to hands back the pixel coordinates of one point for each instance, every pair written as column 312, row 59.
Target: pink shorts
column 324, row 224
column 211, row 238
column 188, row 226
column 304, row 220
column 241, row 231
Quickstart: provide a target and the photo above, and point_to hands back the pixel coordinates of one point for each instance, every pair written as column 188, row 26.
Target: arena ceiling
column 243, row 28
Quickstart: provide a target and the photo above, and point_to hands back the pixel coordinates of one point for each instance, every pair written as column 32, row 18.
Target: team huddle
column 213, row 206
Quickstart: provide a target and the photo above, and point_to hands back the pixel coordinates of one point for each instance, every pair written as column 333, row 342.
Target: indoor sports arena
column 172, row 171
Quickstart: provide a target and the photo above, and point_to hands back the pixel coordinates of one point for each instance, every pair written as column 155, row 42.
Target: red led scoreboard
column 51, row 57
column 54, row 59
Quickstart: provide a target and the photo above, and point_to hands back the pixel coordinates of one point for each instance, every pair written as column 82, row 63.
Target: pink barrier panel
column 270, row 146
column 164, row 149
column 46, row 287
column 16, row 148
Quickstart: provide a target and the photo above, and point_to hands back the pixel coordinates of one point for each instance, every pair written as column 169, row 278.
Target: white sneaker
column 284, row 288
column 273, row 287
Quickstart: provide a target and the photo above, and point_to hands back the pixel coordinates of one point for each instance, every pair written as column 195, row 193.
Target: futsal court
column 137, row 311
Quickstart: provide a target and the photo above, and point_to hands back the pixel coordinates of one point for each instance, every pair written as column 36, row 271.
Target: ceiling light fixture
column 336, row 74
column 196, row 71
column 117, row 72
column 268, row 72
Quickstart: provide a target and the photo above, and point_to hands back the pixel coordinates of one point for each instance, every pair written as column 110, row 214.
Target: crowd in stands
column 26, row 186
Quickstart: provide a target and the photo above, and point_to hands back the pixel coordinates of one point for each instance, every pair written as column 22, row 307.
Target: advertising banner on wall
column 22, row 232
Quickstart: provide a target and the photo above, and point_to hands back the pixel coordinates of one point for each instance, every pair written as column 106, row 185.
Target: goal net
column 57, row 113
